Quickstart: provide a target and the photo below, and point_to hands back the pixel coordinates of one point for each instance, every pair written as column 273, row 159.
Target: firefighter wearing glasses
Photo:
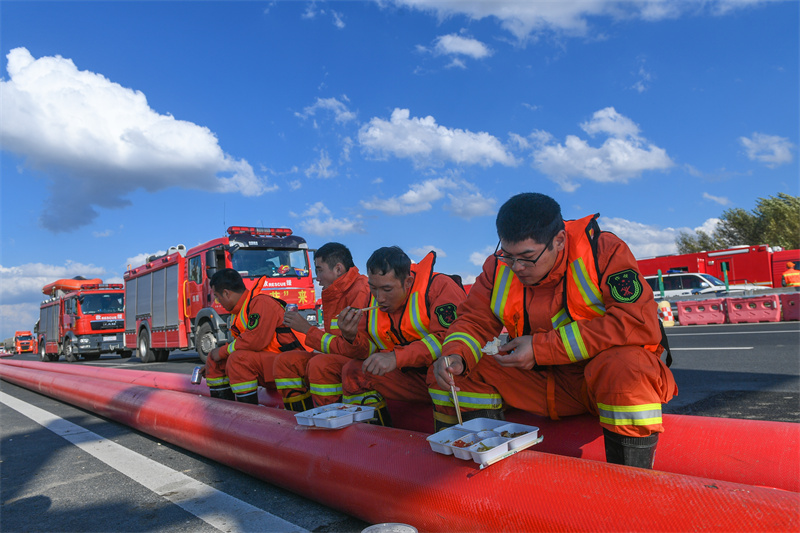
column 584, row 334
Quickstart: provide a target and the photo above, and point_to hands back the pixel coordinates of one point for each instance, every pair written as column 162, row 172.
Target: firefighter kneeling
column 583, row 328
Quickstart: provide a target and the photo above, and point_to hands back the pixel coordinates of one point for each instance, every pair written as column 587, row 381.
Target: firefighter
column 235, row 370
column 411, row 308
column 791, row 277
column 583, row 329
column 302, row 377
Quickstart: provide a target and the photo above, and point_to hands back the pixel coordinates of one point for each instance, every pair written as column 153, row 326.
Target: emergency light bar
column 277, row 232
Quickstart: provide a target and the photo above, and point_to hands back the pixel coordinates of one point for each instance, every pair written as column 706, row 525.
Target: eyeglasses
column 524, row 263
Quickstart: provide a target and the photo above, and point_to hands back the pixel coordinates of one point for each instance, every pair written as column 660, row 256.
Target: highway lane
column 49, row 484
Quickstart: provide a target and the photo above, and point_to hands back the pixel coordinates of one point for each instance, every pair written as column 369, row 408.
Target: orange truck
column 170, row 305
column 24, row 342
column 81, row 318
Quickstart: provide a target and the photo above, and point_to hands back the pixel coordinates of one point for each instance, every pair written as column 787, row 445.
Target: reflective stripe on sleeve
column 325, row 343
column 573, row 342
column 434, row 347
column 473, row 345
column 647, row 414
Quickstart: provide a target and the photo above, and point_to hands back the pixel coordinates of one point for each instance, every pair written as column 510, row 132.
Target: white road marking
column 219, row 510
column 717, row 348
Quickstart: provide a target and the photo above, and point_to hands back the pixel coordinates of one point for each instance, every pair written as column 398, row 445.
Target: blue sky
column 128, row 127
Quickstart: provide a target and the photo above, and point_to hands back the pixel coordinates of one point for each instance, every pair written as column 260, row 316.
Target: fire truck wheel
column 206, row 340
column 162, row 355
column 43, row 355
column 144, row 352
column 69, row 351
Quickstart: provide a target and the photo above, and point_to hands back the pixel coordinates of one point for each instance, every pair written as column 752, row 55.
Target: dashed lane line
column 219, row 510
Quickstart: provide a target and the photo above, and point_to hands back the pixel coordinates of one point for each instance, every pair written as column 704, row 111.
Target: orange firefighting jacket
column 257, row 325
column 349, row 290
column 791, row 278
column 592, row 299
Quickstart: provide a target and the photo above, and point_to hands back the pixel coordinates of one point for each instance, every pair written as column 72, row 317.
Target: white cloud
column 98, row 141
column 622, row 156
column 526, row 19
column 479, row 257
column 454, row 44
column 318, row 220
column 105, row 233
column 771, row 150
column 644, row 78
column 721, row 200
column 644, row 240
column 468, row 205
column 339, row 109
column 708, row 227
column 421, row 251
column 425, row 143
column 322, row 167
column 464, row 199
column 140, row 259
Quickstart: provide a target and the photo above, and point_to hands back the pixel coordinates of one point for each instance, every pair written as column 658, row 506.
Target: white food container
column 362, row 412
column 497, row 447
column 334, row 418
column 464, row 453
column 440, row 442
column 480, row 424
column 529, row 433
column 306, row 418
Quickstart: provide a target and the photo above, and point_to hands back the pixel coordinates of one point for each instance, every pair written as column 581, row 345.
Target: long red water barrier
column 752, row 452
column 391, row 475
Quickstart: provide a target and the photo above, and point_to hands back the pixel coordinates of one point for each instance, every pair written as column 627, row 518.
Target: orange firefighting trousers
column 624, row 386
column 361, row 388
column 245, row 371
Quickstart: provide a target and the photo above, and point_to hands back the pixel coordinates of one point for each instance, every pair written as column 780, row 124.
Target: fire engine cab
column 170, row 305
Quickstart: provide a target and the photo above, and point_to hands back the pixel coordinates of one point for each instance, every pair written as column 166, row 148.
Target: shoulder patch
column 446, row 314
column 625, row 286
column 252, row 321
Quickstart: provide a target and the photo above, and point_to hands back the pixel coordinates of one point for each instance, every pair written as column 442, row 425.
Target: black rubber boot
column 442, row 421
column 298, row 402
column 251, row 398
column 223, row 393
column 382, row 417
column 630, row 451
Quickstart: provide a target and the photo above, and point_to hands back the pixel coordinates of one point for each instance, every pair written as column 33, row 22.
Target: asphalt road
column 47, row 483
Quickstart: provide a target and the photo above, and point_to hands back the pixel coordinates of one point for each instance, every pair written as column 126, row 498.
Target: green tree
column 775, row 221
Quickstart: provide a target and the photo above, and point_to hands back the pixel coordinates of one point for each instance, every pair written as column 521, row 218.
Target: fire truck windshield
column 25, row 338
column 270, row 262
column 95, row 304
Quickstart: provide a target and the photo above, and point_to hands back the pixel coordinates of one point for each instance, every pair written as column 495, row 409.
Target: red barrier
column 702, row 312
column 755, row 309
column 790, row 306
column 390, row 475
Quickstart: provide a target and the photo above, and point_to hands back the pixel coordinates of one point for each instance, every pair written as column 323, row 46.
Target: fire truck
column 81, row 318
column 24, row 342
column 170, row 305
column 759, row 265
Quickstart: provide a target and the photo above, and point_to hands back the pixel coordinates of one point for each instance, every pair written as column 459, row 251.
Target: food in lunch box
column 484, row 448
column 511, row 435
column 492, row 346
column 461, row 444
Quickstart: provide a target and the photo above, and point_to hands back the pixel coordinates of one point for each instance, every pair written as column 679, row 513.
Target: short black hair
column 333, row 253
column 529, row 215
column 390, row 259
column 227, row 279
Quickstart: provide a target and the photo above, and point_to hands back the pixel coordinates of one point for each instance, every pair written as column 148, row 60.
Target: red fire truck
column 24, row 342
column 81, row 318
column 759, row 265
column 170, row 305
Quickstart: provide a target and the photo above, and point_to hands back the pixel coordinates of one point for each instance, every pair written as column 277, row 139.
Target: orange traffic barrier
column 790, row 305
column 702, row 312
column 755, row 309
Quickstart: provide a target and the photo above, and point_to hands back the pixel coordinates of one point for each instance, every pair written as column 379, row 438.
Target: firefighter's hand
column 296, row 321
column 380, row 363
column 348, row 322
column 517, row 353
column 444, row 368
column 214, row 354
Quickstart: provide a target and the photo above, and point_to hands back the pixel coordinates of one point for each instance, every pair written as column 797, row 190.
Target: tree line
column 774, row 221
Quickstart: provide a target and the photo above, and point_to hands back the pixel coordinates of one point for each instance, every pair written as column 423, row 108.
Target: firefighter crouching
column 791, row 277
column 307, row 379
column 583, row 328
column 235, row 370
